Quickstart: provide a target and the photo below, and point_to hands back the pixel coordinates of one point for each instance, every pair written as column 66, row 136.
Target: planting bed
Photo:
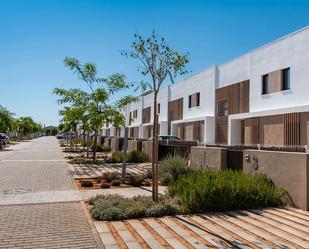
column 96, row 183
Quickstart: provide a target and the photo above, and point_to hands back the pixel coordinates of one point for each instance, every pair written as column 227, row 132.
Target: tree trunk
column 154, row 161
column 76, row 139
column 88, row 143
column 95, row 141
column 125, row 148
column 84, row 139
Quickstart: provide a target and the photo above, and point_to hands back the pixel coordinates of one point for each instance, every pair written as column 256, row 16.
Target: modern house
column 261, row 97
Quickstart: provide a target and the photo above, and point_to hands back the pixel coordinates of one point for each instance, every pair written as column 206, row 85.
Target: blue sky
column 37, row 35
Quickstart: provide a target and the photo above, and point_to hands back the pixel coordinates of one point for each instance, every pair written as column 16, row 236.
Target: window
column 226, row 109
column 286, row 79
column 197, row 99
column 158, row 108
column 265, row 84
column 194, row 100
column 223, row 108
column 135, row 114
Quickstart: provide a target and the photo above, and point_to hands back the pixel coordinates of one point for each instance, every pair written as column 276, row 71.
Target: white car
column 166, row 138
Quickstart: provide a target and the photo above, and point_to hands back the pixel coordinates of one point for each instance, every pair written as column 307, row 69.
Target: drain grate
column 16, row 191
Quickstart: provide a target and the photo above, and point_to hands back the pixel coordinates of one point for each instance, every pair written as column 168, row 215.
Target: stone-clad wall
column 287, row 169
column 134, row 145
column 211, row 158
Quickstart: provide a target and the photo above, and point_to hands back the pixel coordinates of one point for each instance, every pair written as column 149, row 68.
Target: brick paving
column 35, row 172
column 57, row 225
column 268, row 228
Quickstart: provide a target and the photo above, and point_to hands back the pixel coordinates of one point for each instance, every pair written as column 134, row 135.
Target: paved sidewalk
column 70, row 195
column 35, row 172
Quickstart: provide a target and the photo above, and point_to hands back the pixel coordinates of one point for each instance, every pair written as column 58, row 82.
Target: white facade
column 291, row 51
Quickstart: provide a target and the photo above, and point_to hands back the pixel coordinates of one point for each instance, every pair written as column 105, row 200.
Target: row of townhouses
column 261, row 97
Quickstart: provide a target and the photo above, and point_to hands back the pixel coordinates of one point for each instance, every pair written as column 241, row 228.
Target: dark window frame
column 158, row 108
column 286, row 79
column 197, row 95
column 198, row 99
column 135, row 114
column 265, row 85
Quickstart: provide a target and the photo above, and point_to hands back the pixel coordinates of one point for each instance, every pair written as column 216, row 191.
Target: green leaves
column 6, row 119
column 27, row 126
column 158, row 59
column 126, row 100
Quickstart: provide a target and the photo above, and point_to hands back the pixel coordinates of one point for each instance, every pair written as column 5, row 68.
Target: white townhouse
column 261, row 97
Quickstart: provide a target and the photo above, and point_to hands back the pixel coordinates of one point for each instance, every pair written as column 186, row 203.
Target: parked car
column 166, row 138
column 59, row 135
column 5, row 139
column 66, row 135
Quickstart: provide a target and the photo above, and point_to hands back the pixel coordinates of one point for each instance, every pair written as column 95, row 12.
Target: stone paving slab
column 70, row 195
column 57, row 225
column 245, row 229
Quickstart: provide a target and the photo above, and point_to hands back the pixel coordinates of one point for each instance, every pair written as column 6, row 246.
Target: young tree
column 78, row 101
column 158, row 61
column 101, row 89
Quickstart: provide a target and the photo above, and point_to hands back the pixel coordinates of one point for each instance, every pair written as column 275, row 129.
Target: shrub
column 160, row 209
column 115, row 182
column 148, row 174
column 110, row 176
column 171, row 168
column 136, row 181
column 117, row 157
column 101, row 148
column 115, row 207
column 86, row 184
column 104, row 185
column 201, row 191
column 136, row 157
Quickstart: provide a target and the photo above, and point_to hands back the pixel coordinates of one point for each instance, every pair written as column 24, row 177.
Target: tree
column 27, row 126
column 76, row 114
column 158, row 61
column 6, row 119
column 100, row 90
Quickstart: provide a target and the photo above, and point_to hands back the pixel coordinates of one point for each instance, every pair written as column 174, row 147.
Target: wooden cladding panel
column 237, row 98
column 292, row 129
column 175, row 109
column 134, row 132
column 146, row 115
column 118, row 132
column 191, row 131
column 148, row 131
column 244, row 91
column 275, row 81
column 251, row 131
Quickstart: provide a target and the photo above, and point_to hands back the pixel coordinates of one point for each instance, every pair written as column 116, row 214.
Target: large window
column 265, row 84
column 286, row 79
